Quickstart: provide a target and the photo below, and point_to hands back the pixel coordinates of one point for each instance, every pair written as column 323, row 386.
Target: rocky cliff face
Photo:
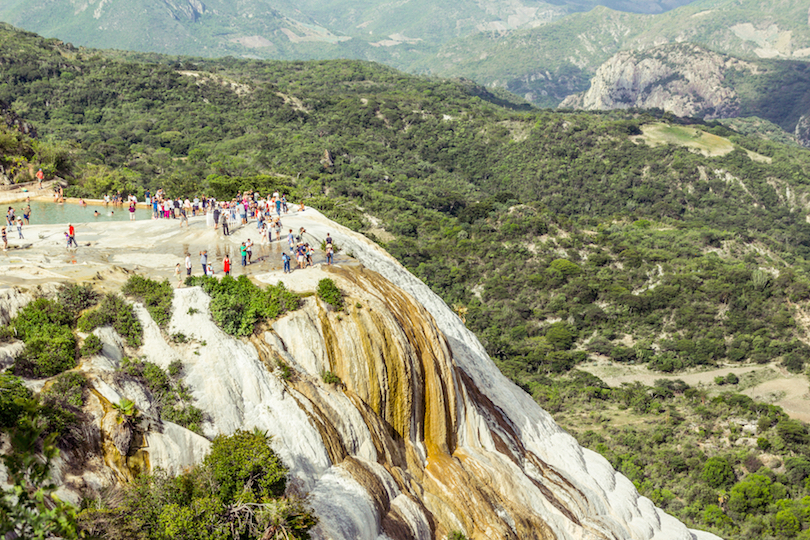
column 423, row 435
column 685, row 80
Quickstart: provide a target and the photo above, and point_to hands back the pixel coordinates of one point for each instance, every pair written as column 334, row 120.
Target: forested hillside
column 558, row 237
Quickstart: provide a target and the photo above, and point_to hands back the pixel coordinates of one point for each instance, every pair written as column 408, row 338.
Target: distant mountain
column 546, row 64
column 691, row 81
column 541, row 51
column 398, row 33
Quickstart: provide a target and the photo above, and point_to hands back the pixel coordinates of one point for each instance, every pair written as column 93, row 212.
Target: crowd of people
column 241, row 211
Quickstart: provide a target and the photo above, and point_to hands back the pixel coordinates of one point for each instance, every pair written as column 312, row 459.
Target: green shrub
column 234, row 493
column 751, row 495
column 39, row 317
column 175, row 368
column 76, row 298
column 792, row 431
column 284, row 369
column 13, row 396
column 238, row 305
column 329, row 293
column 91, row 346
column 717, row 472
column 47, row 354
column 155, row 295
column 171, row 398
column 330, row 378
column 67, row 388
column 244, row 462
column 6, row 334
column 763, row 444
column 186, row 415
column 115, row 312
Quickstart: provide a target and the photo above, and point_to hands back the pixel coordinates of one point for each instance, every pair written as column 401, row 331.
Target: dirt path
column 769, row 383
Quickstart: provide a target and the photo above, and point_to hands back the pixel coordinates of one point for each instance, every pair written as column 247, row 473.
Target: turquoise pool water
column 48, row 213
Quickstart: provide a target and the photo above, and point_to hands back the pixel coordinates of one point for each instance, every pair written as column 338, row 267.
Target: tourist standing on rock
column 72, row 236
column 183, row 217
column 5, row 238
column 19, row 227
column 40, row 177
column 329, row 254
column 285, row 259
column 188, row 264
column 204, row 262
column 249, row 249
column 226, row 265
column 263, row 235
column 291, row 240
column 132, row 211
column 223, row 220
column 243, row 253
column 177, row 274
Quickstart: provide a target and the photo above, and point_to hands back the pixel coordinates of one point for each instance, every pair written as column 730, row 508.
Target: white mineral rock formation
column 423, row 436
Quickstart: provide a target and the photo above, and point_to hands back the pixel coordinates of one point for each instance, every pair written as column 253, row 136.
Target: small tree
column 717, row 472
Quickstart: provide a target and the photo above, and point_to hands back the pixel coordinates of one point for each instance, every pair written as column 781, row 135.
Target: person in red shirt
column 40, row 177
column 226, row 266
column 72, row 236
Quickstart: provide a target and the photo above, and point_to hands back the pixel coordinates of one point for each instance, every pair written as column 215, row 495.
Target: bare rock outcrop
column 802, row 131
column 685, row 80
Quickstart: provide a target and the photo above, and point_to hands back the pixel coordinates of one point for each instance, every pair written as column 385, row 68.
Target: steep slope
column 423, row 436
column 691, row 81
column 540, row 50
column 286, row 29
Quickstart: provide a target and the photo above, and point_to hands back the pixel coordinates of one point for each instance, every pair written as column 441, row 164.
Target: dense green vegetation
column 236, row 493
column 171, row 398
column 329, row 293
column 238, row 305
column 114, row 311
column 45, row 326
column 155, row 295
column 693, row 454
column 555, row 235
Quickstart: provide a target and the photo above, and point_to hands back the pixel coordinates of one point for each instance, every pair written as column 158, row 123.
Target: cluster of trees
column 727, row 463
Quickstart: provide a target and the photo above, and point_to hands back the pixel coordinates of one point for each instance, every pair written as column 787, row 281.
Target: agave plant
column 126, row 411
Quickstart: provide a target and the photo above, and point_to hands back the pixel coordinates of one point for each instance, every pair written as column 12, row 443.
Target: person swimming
column 95, row 213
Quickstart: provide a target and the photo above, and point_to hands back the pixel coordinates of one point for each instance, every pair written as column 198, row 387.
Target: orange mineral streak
column 397, row 369
column 126, row 468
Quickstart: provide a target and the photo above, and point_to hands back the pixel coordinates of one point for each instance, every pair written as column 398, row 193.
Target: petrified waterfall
column 422, row 436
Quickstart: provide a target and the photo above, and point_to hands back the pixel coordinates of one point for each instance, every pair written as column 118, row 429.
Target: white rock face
column 685, row 80
column 423, row 436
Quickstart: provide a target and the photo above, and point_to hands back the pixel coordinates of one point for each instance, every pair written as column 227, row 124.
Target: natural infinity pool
column 48, row 213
